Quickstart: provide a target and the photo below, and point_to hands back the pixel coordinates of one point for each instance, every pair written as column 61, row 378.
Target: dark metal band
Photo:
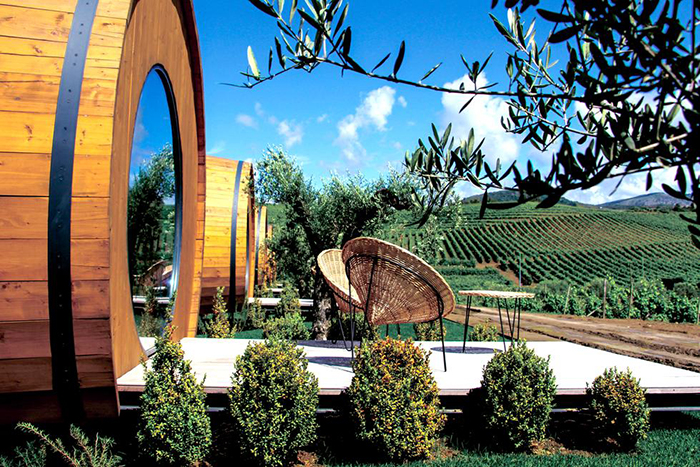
column 234, row 232
column 63, row 358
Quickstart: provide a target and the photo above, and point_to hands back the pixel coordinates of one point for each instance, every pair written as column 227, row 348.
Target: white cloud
column 373, row 112
column 402, row 102
column 322, row 118
column 259, row 110
column 484, row 116
column 140, row 131
column 291, row 131
column 246, row 120
column 218, row 148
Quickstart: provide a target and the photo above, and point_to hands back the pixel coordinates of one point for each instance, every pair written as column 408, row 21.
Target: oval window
column 154, row 205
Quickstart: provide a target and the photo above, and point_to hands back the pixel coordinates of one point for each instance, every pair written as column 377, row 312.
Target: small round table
column 498, row 295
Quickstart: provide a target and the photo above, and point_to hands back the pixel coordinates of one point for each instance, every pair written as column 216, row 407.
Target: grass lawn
column 674, row 440
column 453, row 331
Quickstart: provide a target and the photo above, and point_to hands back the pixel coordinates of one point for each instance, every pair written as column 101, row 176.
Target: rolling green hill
column 572, row 243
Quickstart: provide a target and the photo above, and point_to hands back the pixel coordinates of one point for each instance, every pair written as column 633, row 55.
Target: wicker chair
column 395, row 286
column 330, row 263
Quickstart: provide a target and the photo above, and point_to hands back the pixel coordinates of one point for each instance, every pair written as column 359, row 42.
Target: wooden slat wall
column 33, row 40
column 31, row 60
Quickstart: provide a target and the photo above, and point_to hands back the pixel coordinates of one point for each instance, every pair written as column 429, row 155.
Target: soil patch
column 508, row 274
column 675, row 344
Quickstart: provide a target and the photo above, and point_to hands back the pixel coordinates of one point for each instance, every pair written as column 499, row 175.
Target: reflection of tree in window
column 151, row 213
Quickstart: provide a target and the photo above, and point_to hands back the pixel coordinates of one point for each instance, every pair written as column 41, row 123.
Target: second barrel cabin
column 229, row 231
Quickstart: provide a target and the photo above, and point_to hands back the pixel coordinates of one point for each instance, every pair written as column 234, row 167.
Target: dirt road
column 671, row 344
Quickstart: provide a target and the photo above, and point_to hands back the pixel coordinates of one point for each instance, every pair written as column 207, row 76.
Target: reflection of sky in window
column 152, row 130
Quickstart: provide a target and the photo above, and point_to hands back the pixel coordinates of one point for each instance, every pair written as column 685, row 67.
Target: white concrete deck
column 574, row 366
column 271, row 302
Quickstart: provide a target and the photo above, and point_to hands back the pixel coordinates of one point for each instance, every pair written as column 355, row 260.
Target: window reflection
column 152, row 212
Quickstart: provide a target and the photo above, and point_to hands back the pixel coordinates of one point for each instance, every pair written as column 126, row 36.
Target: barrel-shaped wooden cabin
column 229, row 231
column 72, row 73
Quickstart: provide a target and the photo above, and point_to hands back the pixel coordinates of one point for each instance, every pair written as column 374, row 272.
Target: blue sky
column 352, row 123
column 153, row 128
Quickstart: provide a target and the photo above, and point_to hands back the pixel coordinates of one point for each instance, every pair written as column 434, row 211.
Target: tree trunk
column 322, row 310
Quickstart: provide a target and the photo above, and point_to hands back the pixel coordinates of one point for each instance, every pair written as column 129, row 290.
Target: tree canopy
column 319, row 218
column 622, row 103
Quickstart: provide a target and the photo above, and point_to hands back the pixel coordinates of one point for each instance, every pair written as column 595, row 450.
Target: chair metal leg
column 352, row 336
column 442, row 340
column 466, row 324
column 342, row 331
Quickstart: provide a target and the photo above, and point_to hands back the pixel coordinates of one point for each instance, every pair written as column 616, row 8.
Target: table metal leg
column 511, row 323
column 519, row 306
column 466, row 324
column 500, row 318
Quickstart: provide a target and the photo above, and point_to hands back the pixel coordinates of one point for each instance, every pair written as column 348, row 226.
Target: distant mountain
column 651, row 200
column 506, row 196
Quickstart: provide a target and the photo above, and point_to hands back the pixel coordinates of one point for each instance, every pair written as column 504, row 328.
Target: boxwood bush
column 174, row 428
column 218, row 325
column 393, row 399
column 518, row 391
column 273, row 400
column 429, row 331
column 483, row 332
column 289, row 327
column 619, row 408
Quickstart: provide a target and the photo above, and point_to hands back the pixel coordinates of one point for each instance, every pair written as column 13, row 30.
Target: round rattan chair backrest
column 330, row 262
column 393, row 284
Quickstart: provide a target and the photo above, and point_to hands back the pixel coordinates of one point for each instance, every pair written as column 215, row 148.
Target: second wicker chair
column 395, row 286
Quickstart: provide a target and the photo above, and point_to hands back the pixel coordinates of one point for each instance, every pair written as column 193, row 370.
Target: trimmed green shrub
column 174, row 428
column 289, row 302
column 518, row 390
column 288, row 327
column 483, row 332
column 218, row 326
column 429, row 331
column 363, row 329
column 619, row 408
column 256, row 314
column 393, row 399
column 84, row 454
column 273, row 400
